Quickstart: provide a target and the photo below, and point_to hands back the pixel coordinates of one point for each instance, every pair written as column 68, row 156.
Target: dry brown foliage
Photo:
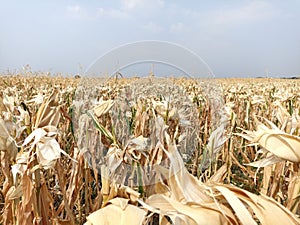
column 137, row 160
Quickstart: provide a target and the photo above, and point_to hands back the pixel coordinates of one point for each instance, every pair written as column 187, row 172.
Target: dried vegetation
column 128, row 153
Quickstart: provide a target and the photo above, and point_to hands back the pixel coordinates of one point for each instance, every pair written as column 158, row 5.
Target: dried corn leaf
column 239, row 208
column 49, row 112
column 283, row 145
column 265, row 209
column 8, row 102
column 214, row 145
column 47, row 152
column 270, row 160
column 193, row 213
column 103, row 107
column 47, row 147
column 119, row 212
column 37, row 99
column 184, row 187
column 219, row 176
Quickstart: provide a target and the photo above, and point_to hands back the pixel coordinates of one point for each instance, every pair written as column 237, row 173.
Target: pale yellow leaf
column 240, row 210
column 103, row 107
column 266, row 209
column 119, row 212
column 270, row 160
column 282, row 145
column 194, row 213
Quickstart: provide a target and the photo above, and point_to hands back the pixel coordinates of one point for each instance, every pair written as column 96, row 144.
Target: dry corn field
column 219, row 151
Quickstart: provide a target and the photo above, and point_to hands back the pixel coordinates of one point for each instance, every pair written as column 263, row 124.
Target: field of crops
column 134, row 151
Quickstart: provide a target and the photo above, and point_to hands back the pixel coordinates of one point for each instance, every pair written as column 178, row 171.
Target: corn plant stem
column 10, row 183
column 195, row 164
column 296, row 199
column 14, row 210
column 140, row 179
column 291, row 109
column 79, row 212
column 62, row 183
column 37, row 174
column 86, row 188
column 167, row 113
column 105, row 189
column 229, row 160
column 203, row 160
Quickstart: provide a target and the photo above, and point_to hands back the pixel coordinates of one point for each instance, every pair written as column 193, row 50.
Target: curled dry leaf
column 187, row 190
column 37, row 99
column 47, row 147
column 275, row 141
column 49, row 112
column 184, row 187
column 9, row 101
column 7, row 142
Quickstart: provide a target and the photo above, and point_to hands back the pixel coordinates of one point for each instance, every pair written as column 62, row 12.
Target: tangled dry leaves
column 130, row 153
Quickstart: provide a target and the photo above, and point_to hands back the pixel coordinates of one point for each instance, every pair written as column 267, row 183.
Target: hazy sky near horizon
column 234, row 37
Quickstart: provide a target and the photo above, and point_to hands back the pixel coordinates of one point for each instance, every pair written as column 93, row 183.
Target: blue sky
column 234, row 37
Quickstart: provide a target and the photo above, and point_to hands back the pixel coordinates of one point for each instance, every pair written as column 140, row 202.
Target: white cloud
column 177, row 11
column 252, row 12
column 112, row 13
column 77, row 12
column 152, row 27
column 142, row 4
column 130, row 4
column 73, row 9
